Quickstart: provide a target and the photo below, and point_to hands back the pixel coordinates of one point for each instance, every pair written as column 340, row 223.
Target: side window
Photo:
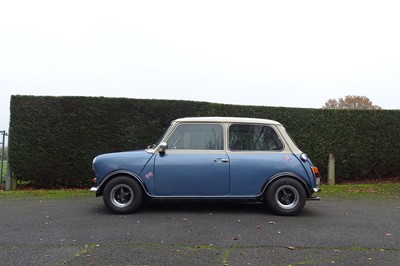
column 253, row 138
column 197, row 137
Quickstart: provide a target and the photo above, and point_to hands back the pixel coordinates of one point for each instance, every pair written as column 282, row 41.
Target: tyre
column 123, row 195
column 285, row 196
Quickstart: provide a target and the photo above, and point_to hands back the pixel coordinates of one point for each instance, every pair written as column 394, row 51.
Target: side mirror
column 162, row 147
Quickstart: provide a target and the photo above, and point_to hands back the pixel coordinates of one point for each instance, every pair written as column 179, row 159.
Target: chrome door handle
column 221, row 160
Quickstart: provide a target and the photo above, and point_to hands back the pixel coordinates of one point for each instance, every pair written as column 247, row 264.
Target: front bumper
column 94, row 189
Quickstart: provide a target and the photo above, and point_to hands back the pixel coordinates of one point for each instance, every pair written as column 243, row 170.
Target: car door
column 256, row 153
column 194, row 163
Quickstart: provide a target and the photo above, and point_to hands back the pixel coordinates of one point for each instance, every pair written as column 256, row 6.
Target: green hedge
column 53, row 140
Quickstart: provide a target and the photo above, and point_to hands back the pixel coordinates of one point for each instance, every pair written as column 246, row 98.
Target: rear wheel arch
column 286, row 175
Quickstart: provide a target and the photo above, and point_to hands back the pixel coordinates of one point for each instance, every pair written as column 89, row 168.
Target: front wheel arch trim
column 115, row 174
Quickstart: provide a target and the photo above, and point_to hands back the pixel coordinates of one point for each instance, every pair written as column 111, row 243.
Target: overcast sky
column 272, row 53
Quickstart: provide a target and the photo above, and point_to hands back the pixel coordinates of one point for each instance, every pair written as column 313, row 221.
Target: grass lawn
column 376, row 191
column 46, row 194
column 367, row 191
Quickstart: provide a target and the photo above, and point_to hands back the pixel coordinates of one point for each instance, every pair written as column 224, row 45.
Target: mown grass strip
column 378, row 191
column 46, row 194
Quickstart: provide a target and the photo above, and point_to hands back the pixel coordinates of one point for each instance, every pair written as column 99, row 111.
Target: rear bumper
column 93, row 189
column 316, row 189
column 314, row 198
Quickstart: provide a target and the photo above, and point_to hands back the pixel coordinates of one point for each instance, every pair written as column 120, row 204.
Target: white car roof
column 227, row 120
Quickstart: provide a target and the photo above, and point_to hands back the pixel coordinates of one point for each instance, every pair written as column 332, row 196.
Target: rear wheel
column 285, row 196
column 123, row 195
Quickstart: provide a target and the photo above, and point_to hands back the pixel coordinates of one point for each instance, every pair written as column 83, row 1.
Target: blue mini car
column 217, row 158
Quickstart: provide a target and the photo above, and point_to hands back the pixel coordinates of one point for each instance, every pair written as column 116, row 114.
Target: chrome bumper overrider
column 316, row 189
column 93, row 189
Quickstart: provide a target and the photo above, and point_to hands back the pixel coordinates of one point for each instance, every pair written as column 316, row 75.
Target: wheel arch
column 288, row 175
column 117, row 173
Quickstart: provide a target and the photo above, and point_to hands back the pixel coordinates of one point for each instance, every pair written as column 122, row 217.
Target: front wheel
column 285, row 196
column 123, row 195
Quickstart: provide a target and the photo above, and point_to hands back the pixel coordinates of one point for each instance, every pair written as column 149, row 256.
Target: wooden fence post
column 11, row 182
column 331, row 170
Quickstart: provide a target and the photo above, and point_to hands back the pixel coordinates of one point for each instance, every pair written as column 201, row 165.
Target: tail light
column 316, row 174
